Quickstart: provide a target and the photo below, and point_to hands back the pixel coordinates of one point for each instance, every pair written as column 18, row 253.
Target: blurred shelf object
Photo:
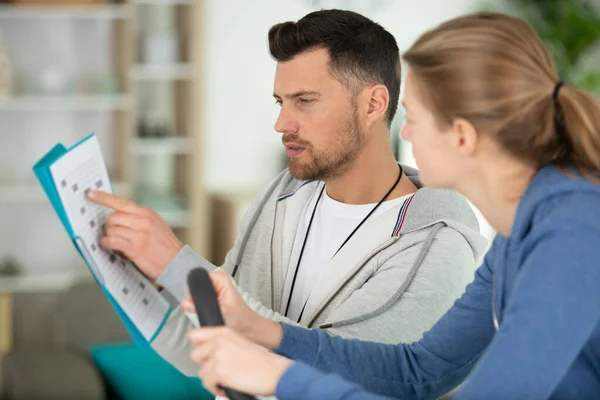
column 33, row 193
column 76, row 11
column 227, row 210
column 65, row 103
column 170, row 206
column 166, row 146
column 169, row 145
column 178, row 71
column 175, row 218
column 33, row 283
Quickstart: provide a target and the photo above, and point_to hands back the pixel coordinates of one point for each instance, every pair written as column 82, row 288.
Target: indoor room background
column 179, row 93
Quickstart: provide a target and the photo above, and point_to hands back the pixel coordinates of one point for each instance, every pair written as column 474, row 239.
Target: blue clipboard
column 43, row 174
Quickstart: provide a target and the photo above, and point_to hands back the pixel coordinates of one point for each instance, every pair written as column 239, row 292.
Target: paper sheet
column 74, row 174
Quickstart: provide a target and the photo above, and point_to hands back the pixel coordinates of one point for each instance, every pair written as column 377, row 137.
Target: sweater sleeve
column 424, row 369
column 172, row 342
column 550, row 315
column 303, row 382
column 174, row 276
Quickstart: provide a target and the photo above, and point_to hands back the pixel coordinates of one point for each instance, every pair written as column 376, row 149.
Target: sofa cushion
column 136, row 373
column 84, row 316
column 50, row 373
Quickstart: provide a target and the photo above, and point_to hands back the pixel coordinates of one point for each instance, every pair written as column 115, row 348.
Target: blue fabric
column 546, row 279
column 138, row 373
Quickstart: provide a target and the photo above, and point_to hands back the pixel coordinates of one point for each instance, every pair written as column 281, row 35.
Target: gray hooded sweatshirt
column 393, row 280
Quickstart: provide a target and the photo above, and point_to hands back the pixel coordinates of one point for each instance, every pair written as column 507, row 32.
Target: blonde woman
column 489, row 117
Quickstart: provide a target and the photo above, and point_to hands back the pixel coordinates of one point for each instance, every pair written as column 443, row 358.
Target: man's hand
column 238, row 315
column 137, row 232
column 229, row 360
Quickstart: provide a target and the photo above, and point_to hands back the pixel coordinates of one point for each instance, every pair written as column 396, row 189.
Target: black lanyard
column 287, row 308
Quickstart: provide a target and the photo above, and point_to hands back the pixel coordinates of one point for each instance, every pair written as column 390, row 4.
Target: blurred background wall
column 179, row 93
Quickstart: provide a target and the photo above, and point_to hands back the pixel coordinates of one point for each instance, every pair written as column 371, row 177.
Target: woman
column 488, row 117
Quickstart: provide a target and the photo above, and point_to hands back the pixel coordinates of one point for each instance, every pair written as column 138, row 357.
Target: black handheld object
column 209, row 314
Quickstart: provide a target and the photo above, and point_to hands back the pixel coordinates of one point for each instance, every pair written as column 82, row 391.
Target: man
column 345, row 239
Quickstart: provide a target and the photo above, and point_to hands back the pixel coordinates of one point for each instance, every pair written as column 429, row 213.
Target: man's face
column 318, row 118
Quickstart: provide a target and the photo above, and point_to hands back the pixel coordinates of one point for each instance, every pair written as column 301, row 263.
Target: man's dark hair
column 361, row 52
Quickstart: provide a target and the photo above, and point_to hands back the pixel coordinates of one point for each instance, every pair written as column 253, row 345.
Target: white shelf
column 179, row 71
column 29, row 283
column 170, row 145
column 65, row 103
column 106, row 11
column 33, row 193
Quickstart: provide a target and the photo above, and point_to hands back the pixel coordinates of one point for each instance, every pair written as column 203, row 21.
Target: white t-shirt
column 332, row 224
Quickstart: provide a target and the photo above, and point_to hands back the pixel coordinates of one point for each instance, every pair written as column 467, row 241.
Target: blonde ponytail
column 581, row 118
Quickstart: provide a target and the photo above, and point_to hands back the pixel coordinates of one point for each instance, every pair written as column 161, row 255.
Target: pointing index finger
column 115, row 202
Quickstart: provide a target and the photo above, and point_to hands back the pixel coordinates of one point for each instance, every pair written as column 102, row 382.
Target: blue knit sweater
column 545, row 283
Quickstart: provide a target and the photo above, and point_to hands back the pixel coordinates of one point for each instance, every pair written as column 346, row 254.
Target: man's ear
column 378, row 100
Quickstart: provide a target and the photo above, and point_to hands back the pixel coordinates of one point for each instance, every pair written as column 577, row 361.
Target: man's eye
column 278, row 102
column 305, row 101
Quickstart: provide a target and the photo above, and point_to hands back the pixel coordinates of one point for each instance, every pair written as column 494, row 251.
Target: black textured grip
column 209, row 314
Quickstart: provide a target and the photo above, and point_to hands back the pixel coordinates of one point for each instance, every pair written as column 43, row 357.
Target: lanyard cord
column 287, row 308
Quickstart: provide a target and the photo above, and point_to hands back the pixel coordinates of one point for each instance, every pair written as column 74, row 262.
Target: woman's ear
column 465, row 136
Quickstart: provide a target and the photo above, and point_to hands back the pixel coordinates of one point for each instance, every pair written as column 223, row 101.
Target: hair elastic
column 556, row 89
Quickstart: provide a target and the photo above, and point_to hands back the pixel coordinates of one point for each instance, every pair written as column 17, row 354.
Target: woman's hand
column 227, row 359
column 238, row 315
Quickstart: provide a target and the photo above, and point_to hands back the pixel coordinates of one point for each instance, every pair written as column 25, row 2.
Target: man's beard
column 329, row 163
